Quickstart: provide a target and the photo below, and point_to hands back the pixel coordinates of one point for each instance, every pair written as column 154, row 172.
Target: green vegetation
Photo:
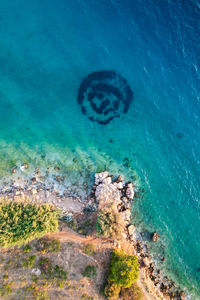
column 124, row 270
column 27, row 248
column 85, row 227
column 5, row 289
column 48, row 245
column 50, row 271
column 109, row 223
column 112, row 291
column 29, row 262
column 133, row 292
column 70, row 222
column 36, row 293
column 86, row 297
column 22, row 221
column 89, row 249
column 90, row 271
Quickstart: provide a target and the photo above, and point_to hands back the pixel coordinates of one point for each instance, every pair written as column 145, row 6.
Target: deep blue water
column 47, row 48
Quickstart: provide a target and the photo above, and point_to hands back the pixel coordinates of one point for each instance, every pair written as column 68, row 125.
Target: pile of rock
column 108, row 191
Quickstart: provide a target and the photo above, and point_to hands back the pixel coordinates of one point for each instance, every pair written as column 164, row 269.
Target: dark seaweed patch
column 104, row 95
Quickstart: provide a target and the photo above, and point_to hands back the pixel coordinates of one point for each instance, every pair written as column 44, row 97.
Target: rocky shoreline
column 106, row 189
column 121, row 195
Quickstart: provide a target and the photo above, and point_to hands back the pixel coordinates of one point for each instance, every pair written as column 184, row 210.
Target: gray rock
column 130, row 193
column 107, row 180
column 119, row 185
column 108, row 193
column 126, row 215
column 131, row 229
column 100, row 176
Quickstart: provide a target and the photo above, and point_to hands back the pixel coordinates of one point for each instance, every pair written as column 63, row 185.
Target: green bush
column 89, row 271
column 21, row 222
column 59, row 272
column 124, row 269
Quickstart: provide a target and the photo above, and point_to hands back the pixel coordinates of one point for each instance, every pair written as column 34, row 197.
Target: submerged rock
column 14, row 170
column 155, row 237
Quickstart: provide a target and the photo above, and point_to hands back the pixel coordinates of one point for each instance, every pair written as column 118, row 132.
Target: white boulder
column 100, row 176
column 36, row 271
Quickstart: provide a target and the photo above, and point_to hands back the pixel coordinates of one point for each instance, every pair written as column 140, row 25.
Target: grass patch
column 22, row 221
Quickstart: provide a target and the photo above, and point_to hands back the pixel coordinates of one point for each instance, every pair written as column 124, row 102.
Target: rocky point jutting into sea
column 107, row 191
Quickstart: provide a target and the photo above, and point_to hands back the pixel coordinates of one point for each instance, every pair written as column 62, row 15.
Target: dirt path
column 68, row 235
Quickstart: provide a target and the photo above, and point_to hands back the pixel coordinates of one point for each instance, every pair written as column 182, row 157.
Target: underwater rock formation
column 104, row 95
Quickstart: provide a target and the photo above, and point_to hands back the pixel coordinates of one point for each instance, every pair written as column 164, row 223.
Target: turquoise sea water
column 47, row 48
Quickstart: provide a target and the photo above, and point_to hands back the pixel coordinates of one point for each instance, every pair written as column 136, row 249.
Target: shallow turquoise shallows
column 47, row 49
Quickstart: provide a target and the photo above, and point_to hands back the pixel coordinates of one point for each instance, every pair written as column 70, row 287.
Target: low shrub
column 51, row 271
column 132, row 293
column 89, row 249
column 45, row 265
column 112, row 291
column 29, row 261
column 6, row 289
column 27, row 248
column 86, row 297
column 48, row 245
column 90, row 271
column 85, row 227
column 59, row 272
column 22, row 221
column 109, row 223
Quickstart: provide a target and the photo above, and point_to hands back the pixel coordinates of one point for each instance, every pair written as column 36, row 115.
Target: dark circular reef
column 104, row 95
